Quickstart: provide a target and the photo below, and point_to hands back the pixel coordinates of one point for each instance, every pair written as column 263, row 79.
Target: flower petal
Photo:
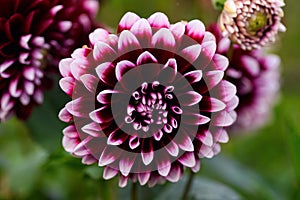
column 142, row 30
column 210, row 104
column 108, row 156
column 125, row 164
column 101, row 115
column 144, row 177
column 90, row 82
column 188, row 159
column 109, row 173
column 127, row 42
column 196, row 30
column 159, row 20
column 127, row 21
column 189, row 98
column 122, row 67
column 163, row 39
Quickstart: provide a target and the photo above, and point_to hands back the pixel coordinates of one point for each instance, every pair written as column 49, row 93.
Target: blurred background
column 264, row 164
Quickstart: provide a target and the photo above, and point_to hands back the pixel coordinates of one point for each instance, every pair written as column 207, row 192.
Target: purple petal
column 104, row 96
column 189, row 98
column 225, row 91
column 271, row 62
column 127, row 21
column 178, row 30
column 123, row 67
column 251, row 65
column 109, row 173
column 163, row 166
column 159, row 20
column 208, row 36
column 175, row 174
column 75, row 107
column 93, row 129
column 142, row 30
column 106, row 72
column 134, row 142
column 158, row 135
column 222, row 119
column 99, row 34
column 144, row 177
column 213, row 78
column 224, row 45
column 71, row 131
column 206, row 151
column 77, row 70
column 90, row 82
column 206, row 138
column 29, row 87
column 191, row 53
column 188, row 159
column 196, row 30
column 196, row 119
column 193, row 76
column 126, row 164
column 148, row 156
column 196, row 168
column 172, row 148
column 123, row 181
column 127, row 42
column 101, row 115
column 103, row 52
column 221, row 136
column 13, row 88
column 24, row 41
column 29, row 73
column 24, row 99
column 64, row 67
column 65, row 116
column 5, row 65
column 145, row 57
column 220, row 62
column 67, row 85
column 232, row 104
column 210, row 104
column 171, row 64
column 184, row 142
column 88, row 160
column 69, row 144
column 108, row 156
column 208, row 51
column 80, row 149
column 163, row 39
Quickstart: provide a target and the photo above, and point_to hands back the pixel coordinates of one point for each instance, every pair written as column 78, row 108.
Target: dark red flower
column 34, row 36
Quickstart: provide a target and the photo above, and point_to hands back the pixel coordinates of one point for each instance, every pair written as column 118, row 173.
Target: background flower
column 34, row 36
column 149, row 102
column 252, row 24
column 256, row 75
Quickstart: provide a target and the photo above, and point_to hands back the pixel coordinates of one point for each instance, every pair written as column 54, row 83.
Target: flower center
column 148, row 108
column 257, row 22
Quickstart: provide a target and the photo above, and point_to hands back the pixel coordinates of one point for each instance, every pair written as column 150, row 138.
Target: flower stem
column 134, row 190
column 188, row 186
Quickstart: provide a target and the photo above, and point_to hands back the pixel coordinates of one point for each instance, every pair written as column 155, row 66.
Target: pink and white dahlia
column 252, row 23
column 147, row 102
column 34, row 36
column 256, row 75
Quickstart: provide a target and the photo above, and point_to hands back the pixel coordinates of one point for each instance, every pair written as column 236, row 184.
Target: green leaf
column 44, row 125
column 218, row 4
column 240, row 177
column 202, row 189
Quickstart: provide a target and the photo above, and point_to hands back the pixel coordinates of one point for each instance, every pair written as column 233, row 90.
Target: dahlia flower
column 252, row 23
column 256, row 75
column 147, row 102
column 34, row 36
